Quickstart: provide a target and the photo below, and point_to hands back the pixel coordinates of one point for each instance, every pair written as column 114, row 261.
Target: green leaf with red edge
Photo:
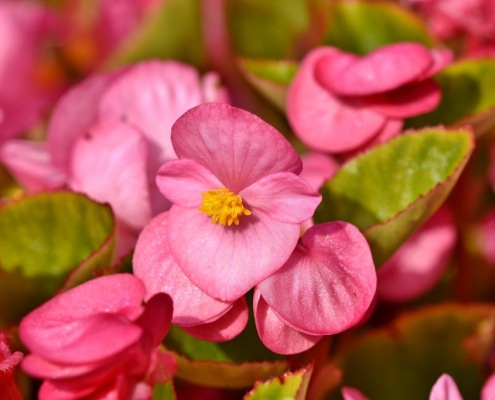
column 404, row 359
column 391, row 190
column 467, row 91
column 270, row 77
column 361, row 26
column 44, row 238
column 291, row 385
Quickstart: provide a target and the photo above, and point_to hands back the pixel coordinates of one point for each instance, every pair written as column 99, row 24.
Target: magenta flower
column 97, row 340
column 357, row 100
column 324, row 288
column 238, row 202
column 8, row 363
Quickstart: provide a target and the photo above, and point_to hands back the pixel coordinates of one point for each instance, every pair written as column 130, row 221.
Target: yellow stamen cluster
column 223, row 206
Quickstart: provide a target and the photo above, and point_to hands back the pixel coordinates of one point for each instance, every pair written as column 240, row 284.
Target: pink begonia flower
column 109, row 134
column 97, row 340
column 237, row 200
column 196, row 312
column 26, row 87
column 420, row 262
column 359, row 100
column 8, row 363
column 324, row 288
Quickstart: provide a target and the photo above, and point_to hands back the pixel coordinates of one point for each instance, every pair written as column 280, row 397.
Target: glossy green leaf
column 467, row 89
column 270, row 77
column 164, row 391
column 362, row 26
column 173, row 31
column 44, row 238
column 404, row 359
column 291, row 385
column 389, row 191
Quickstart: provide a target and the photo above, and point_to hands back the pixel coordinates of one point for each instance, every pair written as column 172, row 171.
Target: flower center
column 223, row 206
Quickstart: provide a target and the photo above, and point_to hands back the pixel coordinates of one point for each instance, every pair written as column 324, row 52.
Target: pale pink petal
column 349, row 393
column 384, row 69
column 318, row 168
column 155, row 266
column 227, row 327
column 54, row 329
column 488, row 389
column 73, row 115
column 327, row 284
column 235, row 145
column 283, row 196
column 183, row 181
column 109, row 164
column 420, row 262
column 414, row 99
column 275, row 334
column 227, row 261
column 213, row 91
column 30, row 163
column 327, row 123
column 445, row 388
column 441, row 58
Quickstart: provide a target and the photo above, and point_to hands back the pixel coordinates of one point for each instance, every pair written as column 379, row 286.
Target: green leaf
column 291, row 385
column 404, row 359
column 164, row 391
column 467, row 89
column 391, row 190
column 270, row 77
column 44, row 238
column 173, row 31
column 361, row 27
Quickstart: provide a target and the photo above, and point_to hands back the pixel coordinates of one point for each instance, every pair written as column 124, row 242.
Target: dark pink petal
column 109, row 164
column 327, row 284
column 275, row 334
column 154, row 264
column 236, row 146
column 445, row 388
column 349, row 393
column 318, row 168
column 283, row 196
column 73, row 115
column 408, row 101
column 327, row 123
column 226, row 261
column 384, row 69
column 420, row 262
column 79, row 325
column 41, row 368
column 183, row 181
column 227, row 327
column 156, row 318
column 30, row 163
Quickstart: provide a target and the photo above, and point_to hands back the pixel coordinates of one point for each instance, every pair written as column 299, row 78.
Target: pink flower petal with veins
column 277, row 335
column 327, row 284
column 445, row 388
column 327, row 123
column 384, row 69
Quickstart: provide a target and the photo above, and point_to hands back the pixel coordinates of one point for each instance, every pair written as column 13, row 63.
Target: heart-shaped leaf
column 391, row 190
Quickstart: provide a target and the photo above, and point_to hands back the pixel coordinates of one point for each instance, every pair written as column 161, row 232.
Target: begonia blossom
column 357, row 100
column 8, row 362
column 196, row 312
column 325, row 287
column 97, row 340
column 237, row 200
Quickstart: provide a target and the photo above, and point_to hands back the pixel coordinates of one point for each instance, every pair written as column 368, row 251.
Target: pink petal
column 488, row 389
column 109, row 164
column 445, row 388
column 384, row 69
column 56, row 330
column 235, row 145
column 30, row 163
column 327, row 123
column 318, row 168
column 408, row 101
column 349, row 393
column 275, row 334
column 441, row 58
column 156, row 318
column 41, row 368
column 73, row 115
column 227, row 261
column 183, row 181
column 155, row 266
column 283, row 196
column 420, row 262
column 227, row 327
column 327, row 284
